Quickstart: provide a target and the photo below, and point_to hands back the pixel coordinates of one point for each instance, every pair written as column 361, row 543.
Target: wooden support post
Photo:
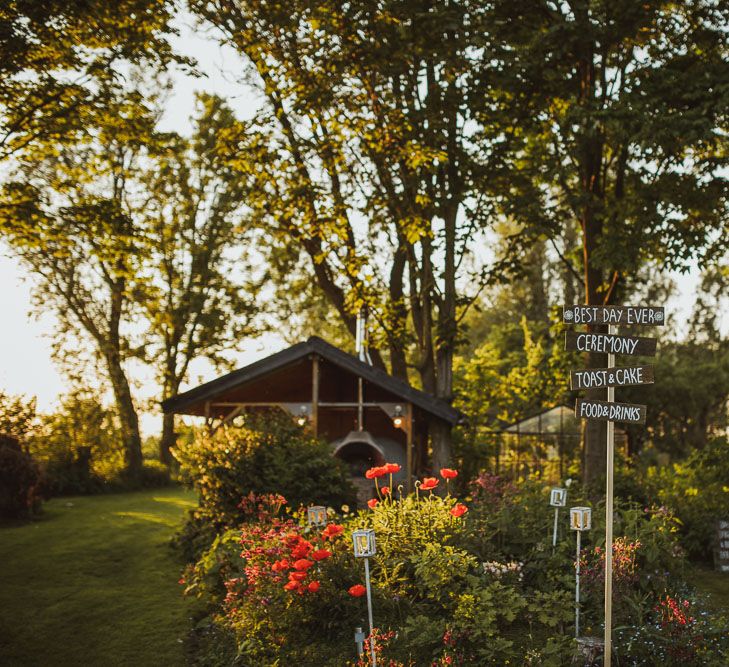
column 208, row 418
column 315, row 395
column 409, row 445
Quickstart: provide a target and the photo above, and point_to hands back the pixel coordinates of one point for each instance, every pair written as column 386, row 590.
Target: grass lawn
column 714, row 584
column 94, row 582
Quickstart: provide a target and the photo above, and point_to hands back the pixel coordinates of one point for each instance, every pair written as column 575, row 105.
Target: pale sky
column 26, row 366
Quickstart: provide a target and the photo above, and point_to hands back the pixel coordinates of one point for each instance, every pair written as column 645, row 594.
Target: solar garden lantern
column 303, row 416
column 316, row 515
column 580, row 519
column 364, row 547
column 557, row 499
column 397, row 419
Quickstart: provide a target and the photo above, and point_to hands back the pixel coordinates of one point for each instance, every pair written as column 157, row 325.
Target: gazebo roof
column 192, row 402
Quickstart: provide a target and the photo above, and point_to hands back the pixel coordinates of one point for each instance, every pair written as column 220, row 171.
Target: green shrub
column 20, row 481
column 268, row 454
column 697, row 491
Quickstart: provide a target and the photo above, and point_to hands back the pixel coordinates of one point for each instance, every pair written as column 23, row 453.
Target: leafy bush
column 20, row 481
column 80, row 447
column 697, row 491
column 268, row 454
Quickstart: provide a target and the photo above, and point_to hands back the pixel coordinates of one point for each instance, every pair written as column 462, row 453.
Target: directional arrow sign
column 652, row 316
column 595, row 378
column 607, row 411
column 595, row 342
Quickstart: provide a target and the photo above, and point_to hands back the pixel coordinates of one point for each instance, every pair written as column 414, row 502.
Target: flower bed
column 471, row 581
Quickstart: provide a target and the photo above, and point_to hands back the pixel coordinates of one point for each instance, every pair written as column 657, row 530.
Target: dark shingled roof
column 314, row 345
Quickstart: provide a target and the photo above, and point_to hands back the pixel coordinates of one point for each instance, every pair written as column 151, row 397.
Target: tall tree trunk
column 168, row 439
column 127, row 416
column 594, row 431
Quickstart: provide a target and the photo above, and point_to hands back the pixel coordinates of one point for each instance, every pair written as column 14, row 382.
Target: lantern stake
column 577, row 587
column 369, row 611
column 554, row 532
column 612, row 329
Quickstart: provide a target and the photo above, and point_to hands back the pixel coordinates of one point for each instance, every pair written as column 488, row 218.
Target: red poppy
column 332, row 530
column 429, row 483
column 372, row 503
column 292, row 586
column 280, row 565
column 448, row 473
column 297, row 576
column 385, row 490
column 320, row 554
column 377, row 471
column 392, row 468
column 302, row 549
column 313, row 586
column 459, row 510
column 303, row 564
column 357, row 591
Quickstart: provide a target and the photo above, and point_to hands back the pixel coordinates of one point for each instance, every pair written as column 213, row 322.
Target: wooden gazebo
column 367, row 415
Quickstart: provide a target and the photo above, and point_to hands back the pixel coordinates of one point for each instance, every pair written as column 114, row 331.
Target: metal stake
column 359, row 638
column 369, row 611
column 577, row 587
column 612, row 329
column 554, row 533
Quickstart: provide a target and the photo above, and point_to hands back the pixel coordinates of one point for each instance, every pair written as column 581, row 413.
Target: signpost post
column 609, row 410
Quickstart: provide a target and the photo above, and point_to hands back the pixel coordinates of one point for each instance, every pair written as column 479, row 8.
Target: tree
column 58, row 57
column 133, row 233
column 364, row 163
column 185, row 288
column 69, row 217
column 617, row 118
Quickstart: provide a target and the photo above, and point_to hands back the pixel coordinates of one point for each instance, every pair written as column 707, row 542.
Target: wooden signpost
column 609, row 410
column 596, row 378
column 589, row 342
column 721, row 555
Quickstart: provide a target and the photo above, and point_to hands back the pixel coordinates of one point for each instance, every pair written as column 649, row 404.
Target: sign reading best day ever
column 619, row 315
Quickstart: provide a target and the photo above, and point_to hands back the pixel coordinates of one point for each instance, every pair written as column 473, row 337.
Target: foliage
column 268, row 454
column 79, row 445
column 57, row 57
column 616, row 146
column 17, row 415
column 20, row 481
column 365, row 164
column 697, row 490
column 192, row 222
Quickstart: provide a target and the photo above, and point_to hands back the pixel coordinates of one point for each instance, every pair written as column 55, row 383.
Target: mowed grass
column 714, row 584
column 94, row 582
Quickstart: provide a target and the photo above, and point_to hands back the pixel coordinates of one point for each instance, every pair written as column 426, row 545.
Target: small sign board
column 652, row 316
column 609, row 344
column 721, row 555
column 597, row 378
column 631, row 413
